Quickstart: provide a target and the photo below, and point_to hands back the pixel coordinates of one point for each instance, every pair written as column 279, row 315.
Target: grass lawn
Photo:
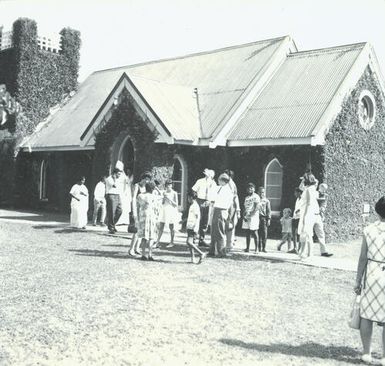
column 76, row 298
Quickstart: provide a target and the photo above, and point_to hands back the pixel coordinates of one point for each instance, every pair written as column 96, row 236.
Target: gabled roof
column 261, row 93
column 297, row 96
column 205, row 86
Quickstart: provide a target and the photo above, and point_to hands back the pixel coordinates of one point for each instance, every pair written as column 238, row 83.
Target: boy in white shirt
column 193, row 220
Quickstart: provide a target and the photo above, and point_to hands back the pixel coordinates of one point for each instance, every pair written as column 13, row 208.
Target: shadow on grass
column 40, row 227
column 310, row 349
column 70, row 230
column 37, row 217
column 245, row 258
column 112, row 254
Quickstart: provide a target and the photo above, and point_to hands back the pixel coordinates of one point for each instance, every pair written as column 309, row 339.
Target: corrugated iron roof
column 220, row 77
column 296, row 97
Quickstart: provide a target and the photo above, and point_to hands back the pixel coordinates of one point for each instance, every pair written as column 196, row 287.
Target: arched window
column 273, row 185
column 179, row 178
column 43, row 181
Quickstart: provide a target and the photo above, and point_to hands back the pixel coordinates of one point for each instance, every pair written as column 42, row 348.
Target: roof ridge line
column 200, row 53
column 328, row 49
column 224, row 128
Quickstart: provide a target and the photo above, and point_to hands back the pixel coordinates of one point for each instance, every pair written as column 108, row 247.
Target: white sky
column 116, row 33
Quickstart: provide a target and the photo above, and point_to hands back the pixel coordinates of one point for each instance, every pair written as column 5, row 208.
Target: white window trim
column 368, row 95
column 273, row 213
column 43, row 169
column 183, row 193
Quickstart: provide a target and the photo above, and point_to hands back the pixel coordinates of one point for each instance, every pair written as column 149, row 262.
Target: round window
column 366, row 110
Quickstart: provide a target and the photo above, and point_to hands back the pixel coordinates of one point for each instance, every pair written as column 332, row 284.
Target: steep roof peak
column 201, row 53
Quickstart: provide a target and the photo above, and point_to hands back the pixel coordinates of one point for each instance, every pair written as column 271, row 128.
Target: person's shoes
column 151, row 259
column 111, row 231
column 293, row 251
column 264, row 250
column 143, row 258
column 203, row 256
column 326, row 254
column 94, row 224
column 279, row 248
column 170, row 245
column 131, row 254
column 137, row 252
column 102, row 224
column 246, row 250
column 367, row 358
column 202, row 243
column 212, row 255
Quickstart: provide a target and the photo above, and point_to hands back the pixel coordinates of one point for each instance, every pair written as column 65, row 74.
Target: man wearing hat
column 223, row 201
column 114, row 205
column 204, row 189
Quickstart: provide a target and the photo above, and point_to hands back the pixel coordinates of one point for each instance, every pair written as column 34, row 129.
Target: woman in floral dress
column 147, row 228
column 371, row 279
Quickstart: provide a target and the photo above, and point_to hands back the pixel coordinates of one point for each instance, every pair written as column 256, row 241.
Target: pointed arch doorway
column 123, row 150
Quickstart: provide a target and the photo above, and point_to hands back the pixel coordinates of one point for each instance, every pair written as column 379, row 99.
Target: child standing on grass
column 251, row 216
column 286, row 223
column 193, row 220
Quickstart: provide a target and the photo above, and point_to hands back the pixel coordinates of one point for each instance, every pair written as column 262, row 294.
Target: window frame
column 274, row 213
column 183, row 183
column 43, row 191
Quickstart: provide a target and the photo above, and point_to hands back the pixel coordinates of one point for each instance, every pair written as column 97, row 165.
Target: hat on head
column 224, row 177
column 119, row 165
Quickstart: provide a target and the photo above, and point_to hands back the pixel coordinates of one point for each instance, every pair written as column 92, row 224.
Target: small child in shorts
column 192, row 226
column 286, row 223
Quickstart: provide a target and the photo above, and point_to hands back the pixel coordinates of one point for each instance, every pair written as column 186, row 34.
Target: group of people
column 148, row 208
column 308, row 219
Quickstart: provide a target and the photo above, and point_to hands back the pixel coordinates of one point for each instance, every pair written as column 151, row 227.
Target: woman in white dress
column 79, row 204
column 169, row 213
column 308, row 210
column 371, row 280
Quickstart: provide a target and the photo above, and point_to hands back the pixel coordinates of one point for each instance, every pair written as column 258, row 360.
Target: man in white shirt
column 100, row 201
column 204, row 190
column 223, row 201
column 114, row 206
column 235, row 213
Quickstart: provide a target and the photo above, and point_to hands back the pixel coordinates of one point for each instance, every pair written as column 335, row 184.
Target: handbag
column 355, row 319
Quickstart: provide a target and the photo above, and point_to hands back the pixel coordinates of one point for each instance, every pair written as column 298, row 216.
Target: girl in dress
column 251, row 216
column 79, row 204
column 147, row 220
column 286, row 226
column 139, row 189
column 169, row 213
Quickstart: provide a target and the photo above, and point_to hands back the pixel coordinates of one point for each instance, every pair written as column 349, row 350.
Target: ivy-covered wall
column 38, row 80
column 354, row 163
column 157, row 158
